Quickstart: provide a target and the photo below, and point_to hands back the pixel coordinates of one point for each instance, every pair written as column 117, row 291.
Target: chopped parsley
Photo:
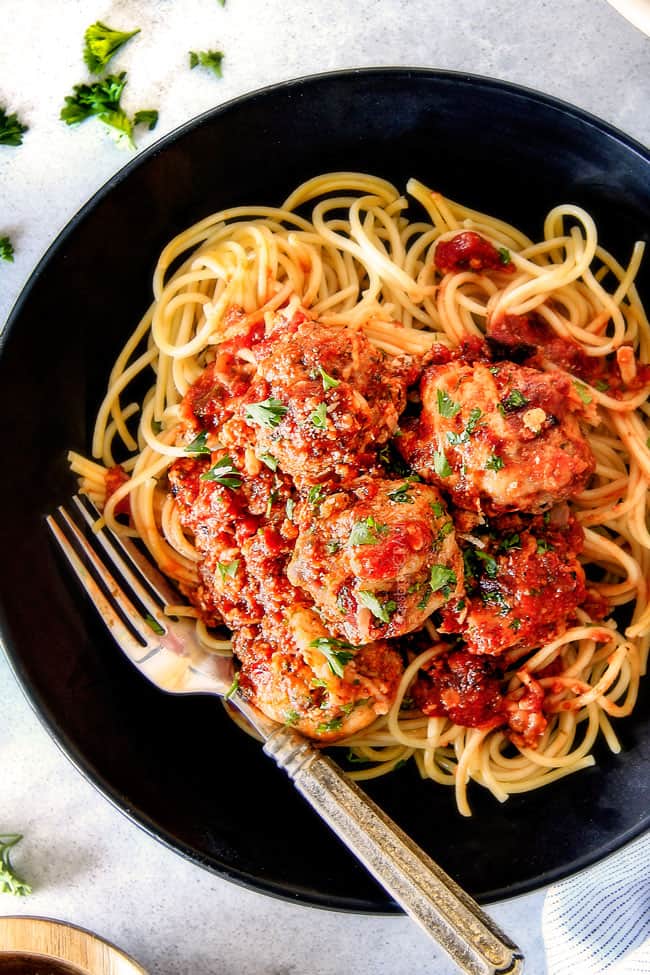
column 269, row 460
column 441, row 464
column 328, row 381
column 401, row 494
column 100, row 99
column 289, row 506
column 315, row 494
column 601, row 385
column 447, row 407
column 504, row 255
column 337, row 652
column 510, row 541
column 582, row 392
column 228, row 570
column 488, row 561
column 198, row 447
column 437, row 509
column 273, row 497
column 367, row 532
column 319, row 416
column 470, row 427
column 514, row 400
column 494, row 463
column 332, row 547
column 154, row 625
column 101, row 43
column 441, row 579
column 10, row 882
column 234, row 687
column 515, row 624
column 543, row 546
column 334, row 725
column 224, row 473
column 495, row 596
column 146, row 116
column 267, row 413
column 383, row 611
column 11, row 129
column 208, row 59
column 6, row 249
column 291, row 718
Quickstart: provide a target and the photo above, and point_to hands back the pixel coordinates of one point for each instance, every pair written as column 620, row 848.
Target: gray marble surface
column 88, row 863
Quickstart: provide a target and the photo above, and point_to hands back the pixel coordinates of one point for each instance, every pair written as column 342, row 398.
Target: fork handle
column 419, row 885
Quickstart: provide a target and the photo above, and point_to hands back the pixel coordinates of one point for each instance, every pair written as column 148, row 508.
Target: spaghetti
column 455, row 300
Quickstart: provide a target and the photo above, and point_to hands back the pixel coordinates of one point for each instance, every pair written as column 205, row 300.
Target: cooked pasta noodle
column 351, row 251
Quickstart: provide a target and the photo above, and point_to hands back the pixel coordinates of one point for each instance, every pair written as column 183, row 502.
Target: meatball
column 522, row 586
column 236, row 517
column 498, row 437
column 322, row 400
column 377, row 558
column 296, row 673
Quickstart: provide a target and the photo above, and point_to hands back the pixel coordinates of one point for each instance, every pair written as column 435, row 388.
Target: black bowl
column 178, row 767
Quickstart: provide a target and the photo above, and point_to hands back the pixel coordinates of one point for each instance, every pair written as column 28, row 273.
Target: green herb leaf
column 437, row 509
column 543, row 546
column 154, row 625
column 515, row 624
column 234, row 687
column 494, row 463
column 441, row 464
column 328, row 381
column 101, row 43
column 367, row 532
column 224, row 473
column 11, row 129
column 488, row 561
column 514, row 400
column 6, row 249
column 146, row 116
column 228, row 570
column 291, row 718
column 10, row 882
column 270, row 461
column 510, row 541
column 332, row 547
column 289, row 506
column 446, row 405
column 273, row 497
column 383, row 611
column 315, row 494
column 337, row 652
column 441, row 579
column 334, row 725
column 401, row 494
column 504, row 255
column 582, row 392
column 208, row 59
column 601, row 385
column 319, row 416
column 101, row 99
column 268, row 413
column 198, row 447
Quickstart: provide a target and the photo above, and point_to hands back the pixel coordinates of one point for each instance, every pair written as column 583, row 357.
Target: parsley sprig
column 101, row 43
column 11, row 129
column 6, row 249
column 224, row 473
column 212, row 60
column 337, row 652
column 266, row 413
column 383, row 611
column 10, row 882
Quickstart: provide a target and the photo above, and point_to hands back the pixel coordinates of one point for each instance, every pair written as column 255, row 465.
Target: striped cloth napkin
column 599, row 920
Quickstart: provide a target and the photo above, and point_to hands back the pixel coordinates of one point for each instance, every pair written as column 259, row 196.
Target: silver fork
column 129, row 594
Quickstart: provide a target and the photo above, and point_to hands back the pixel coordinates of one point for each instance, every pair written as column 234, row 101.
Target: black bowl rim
column 40, row 707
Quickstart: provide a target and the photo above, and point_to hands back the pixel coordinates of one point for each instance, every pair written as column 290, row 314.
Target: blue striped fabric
column 599, row 920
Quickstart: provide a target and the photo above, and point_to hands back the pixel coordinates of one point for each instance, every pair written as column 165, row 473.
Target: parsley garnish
column 383, row 611
column 514, row 400
column 146, row 116
column 101, row 43
column 208, row 59
column 315, row 494
column 488, row 561
column 154, row 625
column 328, row 381
column 515, row 624
column 504, row 255
column 102, row 99
column 11, row 129
column 291, row 718
column 234, row 687
column 437, row 509
column 6, row 249
column 367, row 532
column 224, row 473
column 332, row 547
column 543, row 546
column 441, row 579
column 337, row 652
column 446, row 405
column 273, row 497
column 268, row 413
column 228, row 569
column 319, row 416
column 441, row 464
column 270, row 461
column 401, row 494
column 494, row 463
column 601, row 385
column 334, row 725
column 511, row 541
column 289, row 506
column 582, row 392
column 198, row 447
column 10, row 882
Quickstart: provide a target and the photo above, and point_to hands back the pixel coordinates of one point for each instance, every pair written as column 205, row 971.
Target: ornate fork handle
column 419, row 885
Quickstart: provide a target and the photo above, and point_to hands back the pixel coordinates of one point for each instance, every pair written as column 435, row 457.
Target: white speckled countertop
column 88, row 863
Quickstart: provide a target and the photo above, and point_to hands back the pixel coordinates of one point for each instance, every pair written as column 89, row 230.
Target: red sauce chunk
column 468, row 251
column 114, row 478
column 461, row 686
